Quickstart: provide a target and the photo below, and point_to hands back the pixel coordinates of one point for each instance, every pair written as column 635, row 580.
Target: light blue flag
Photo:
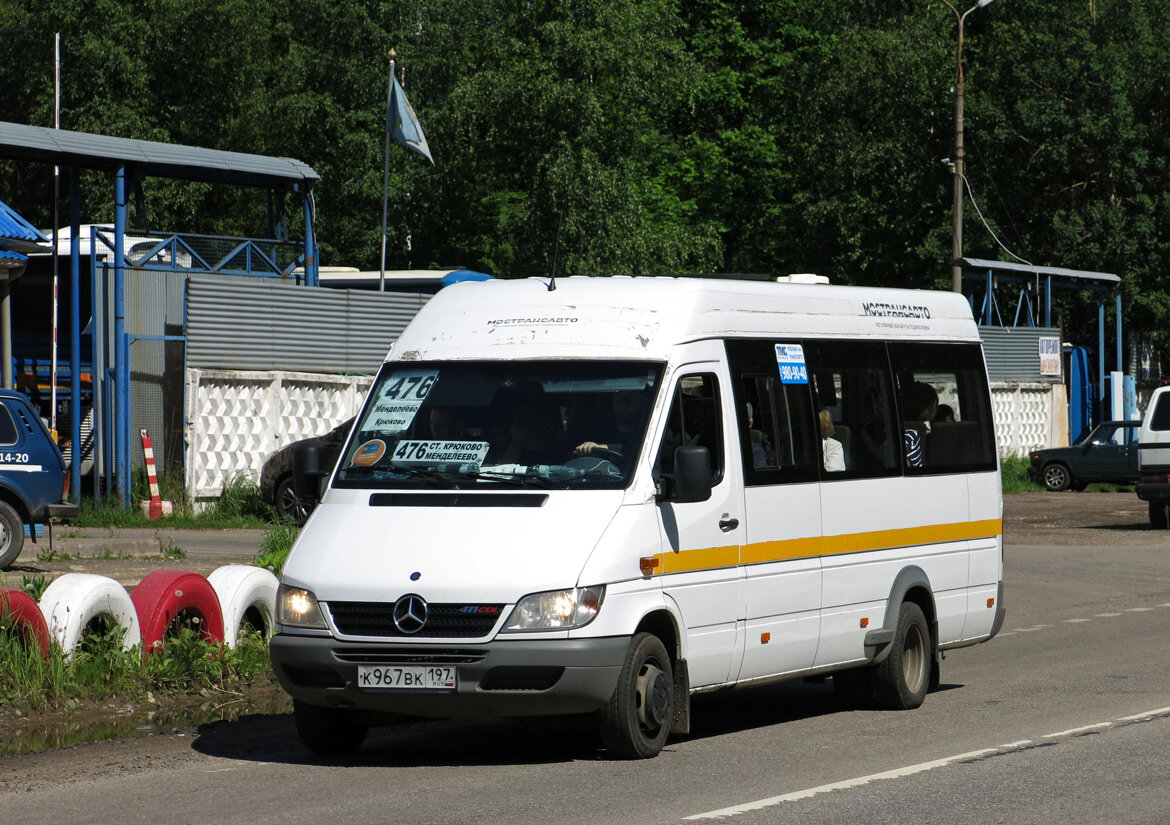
column 402, row 123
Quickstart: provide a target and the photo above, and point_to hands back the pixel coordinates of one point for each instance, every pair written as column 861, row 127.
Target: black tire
column 636, row 722
column 11, row 535
column 288, row 506
column 1158, row 515
column 901, row 681
column 1056, row 477
column 329, row 731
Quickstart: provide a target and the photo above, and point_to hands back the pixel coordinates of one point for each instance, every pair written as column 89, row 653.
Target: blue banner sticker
column 790, row 361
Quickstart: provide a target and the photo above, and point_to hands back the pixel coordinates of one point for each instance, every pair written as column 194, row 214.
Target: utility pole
column 960, row 181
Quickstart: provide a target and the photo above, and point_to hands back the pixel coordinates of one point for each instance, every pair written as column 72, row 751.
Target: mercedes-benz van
column 604, row 495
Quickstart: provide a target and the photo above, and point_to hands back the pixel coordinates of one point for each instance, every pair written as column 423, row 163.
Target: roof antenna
column 552, row 282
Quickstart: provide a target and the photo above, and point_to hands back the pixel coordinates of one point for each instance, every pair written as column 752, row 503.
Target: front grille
column 444, row 621
column 409, row 656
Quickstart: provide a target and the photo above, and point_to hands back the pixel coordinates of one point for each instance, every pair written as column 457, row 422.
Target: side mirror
column 692, row 474
column 307, row 473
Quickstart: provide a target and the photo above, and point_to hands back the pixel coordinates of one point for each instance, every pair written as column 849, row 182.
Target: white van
column 1154, row 458
column 605, row 495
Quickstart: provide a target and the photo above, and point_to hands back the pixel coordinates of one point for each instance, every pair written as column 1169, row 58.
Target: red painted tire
column 22, row 610
column 164, row 594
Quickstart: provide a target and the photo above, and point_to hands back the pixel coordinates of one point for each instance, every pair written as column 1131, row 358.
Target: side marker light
column 991, row 602
column 765, row 638
column 647, row 564
column 865, row 622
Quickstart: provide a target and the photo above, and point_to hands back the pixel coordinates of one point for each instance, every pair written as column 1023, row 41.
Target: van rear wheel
column 636, row 721
column 901, row 681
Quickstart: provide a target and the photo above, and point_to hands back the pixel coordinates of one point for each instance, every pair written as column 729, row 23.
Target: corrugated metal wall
column 268, row 326
column 1013, row 353
column 154, row 308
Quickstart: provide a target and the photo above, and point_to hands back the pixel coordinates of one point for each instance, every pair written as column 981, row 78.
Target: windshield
column 543, row 424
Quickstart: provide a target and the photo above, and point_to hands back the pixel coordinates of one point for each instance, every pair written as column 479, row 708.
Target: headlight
column 297, row 607
column 556, row 610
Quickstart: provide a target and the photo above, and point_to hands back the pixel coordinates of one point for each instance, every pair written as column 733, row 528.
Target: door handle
column 726, row 524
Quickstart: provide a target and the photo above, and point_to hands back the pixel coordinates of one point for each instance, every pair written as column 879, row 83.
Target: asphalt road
column 1062, row 718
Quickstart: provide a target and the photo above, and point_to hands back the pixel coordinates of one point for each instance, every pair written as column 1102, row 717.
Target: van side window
column 1160, row 422
column 7, row 427
column 854, row 402
column 944, row 410
column 694, row 420
column 776, row 421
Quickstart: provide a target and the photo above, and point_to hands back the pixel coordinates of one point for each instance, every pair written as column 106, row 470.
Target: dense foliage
column 639, row 136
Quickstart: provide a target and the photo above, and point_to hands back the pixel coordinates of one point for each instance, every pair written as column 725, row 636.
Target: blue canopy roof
column 17, row 234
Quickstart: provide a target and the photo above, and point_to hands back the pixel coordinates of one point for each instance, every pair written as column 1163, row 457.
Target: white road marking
column 1106, row 615
column 897, row 773
column 910, row 770
column 1076, row 621
column 1074, row 731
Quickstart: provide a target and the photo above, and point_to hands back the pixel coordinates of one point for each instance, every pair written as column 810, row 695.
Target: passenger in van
column 922, row 403
column 758, row 440
column 945, row 414
column 833, row 451
column 875, row 451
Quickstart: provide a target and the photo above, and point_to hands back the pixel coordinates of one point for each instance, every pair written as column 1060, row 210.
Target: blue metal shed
column 129, row 161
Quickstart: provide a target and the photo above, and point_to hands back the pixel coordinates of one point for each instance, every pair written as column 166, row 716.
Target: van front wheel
column 636, row 721
column 901, row 681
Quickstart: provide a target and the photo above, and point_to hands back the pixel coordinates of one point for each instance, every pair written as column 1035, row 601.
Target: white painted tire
column 242, row 587
column 73, row 600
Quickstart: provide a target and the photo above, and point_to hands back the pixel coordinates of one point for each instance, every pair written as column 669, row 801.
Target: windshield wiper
column 519, row 479
column 431, row 475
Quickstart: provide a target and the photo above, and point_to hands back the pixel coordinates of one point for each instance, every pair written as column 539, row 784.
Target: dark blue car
column 1108, row 453
column 33, row 481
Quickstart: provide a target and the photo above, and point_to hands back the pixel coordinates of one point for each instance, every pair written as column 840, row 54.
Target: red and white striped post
column 156, row 507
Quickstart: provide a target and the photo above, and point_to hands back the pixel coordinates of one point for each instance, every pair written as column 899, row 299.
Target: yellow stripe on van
column 706, row 558
column 800, row 548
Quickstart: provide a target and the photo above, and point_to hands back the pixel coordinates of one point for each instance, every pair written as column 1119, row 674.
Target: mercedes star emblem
column 410, row 614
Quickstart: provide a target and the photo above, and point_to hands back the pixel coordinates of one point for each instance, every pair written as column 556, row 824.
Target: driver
column 625, row 429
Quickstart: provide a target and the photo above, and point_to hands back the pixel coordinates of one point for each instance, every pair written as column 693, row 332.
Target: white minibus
column 605, row 495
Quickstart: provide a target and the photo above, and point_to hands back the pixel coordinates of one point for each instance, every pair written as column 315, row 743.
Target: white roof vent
column 803, row 278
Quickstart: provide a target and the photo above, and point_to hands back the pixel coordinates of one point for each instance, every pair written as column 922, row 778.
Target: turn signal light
column 865, row 622
column 647, row 564
column 991, row 602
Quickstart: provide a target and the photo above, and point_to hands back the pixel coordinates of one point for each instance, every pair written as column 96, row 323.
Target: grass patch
column 240, row 505
column 100, row 669
column 275, row 546
column 1013, row 471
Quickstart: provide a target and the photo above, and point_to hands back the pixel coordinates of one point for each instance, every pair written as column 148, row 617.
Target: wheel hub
column 654, row 696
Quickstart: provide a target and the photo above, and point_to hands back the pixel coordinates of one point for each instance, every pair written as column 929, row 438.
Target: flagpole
column 386, row 172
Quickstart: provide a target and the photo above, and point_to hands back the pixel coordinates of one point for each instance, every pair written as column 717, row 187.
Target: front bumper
column 501, row 678
column 1159, row 491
